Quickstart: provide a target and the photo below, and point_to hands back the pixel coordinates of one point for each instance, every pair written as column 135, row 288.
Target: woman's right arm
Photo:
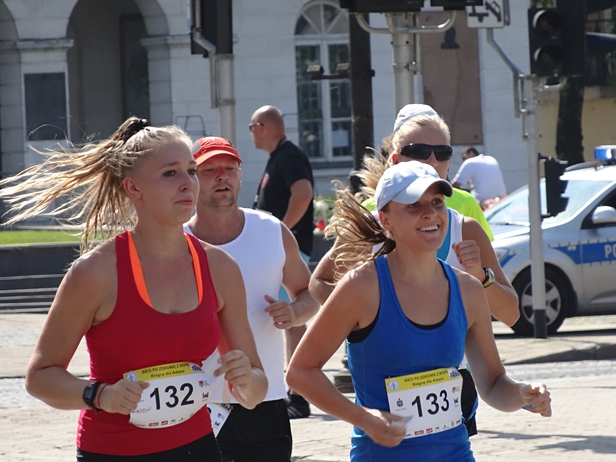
column 493, row 384
column 323, row 279
column 85, row 297
column 353, row 304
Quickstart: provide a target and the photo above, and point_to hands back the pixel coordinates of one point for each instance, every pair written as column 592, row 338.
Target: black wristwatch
column 489, row 279
column 89, row 393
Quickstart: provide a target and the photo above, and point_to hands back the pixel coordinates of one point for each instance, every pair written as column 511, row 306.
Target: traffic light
column 558, row 42
column 554, row 186
column 545, row 28
column 216, row 24
column 403, row 6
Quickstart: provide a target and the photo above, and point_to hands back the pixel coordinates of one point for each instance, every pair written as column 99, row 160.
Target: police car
column 579, row 245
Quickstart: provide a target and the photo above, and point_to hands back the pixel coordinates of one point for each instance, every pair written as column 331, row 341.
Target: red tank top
column 136, row 336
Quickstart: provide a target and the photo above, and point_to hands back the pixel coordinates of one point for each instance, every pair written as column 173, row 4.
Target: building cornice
column 176, row 40
column 58, row 44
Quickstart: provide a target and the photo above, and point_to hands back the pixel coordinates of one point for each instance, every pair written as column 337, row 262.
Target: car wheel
column 556, row 297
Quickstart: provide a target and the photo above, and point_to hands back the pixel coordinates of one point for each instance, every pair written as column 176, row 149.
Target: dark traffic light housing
column 558, row 41
column 545, row 28
column 403, row 6
column 554, row 186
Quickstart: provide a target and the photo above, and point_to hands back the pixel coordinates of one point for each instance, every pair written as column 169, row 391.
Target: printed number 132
column 172, row 392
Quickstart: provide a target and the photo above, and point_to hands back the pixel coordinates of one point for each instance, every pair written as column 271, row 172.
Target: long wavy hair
column 358, row 231
column 83, row 184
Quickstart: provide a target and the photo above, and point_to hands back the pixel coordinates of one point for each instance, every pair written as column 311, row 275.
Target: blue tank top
column 396, row 347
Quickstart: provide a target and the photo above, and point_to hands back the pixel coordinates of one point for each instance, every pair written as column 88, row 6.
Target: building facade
column 72, row 70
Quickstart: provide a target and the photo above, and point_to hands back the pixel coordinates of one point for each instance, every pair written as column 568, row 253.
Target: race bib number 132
column 176, row 392
column 429, row 400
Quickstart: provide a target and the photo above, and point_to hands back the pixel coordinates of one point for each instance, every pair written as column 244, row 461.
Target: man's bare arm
column 301, row 195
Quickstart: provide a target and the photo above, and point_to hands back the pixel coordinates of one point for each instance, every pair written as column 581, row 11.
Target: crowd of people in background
column 194, row 309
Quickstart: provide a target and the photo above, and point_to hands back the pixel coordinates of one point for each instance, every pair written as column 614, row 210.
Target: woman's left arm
column 475, row 253
column 239, row 362
column 493, row 384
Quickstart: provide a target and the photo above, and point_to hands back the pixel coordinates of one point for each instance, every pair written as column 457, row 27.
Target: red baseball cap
column 210, row 146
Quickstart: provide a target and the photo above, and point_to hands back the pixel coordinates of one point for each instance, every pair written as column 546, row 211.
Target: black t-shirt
column 286, row 165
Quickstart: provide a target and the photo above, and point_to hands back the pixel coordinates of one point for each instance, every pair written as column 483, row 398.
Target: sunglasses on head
column 422, row 151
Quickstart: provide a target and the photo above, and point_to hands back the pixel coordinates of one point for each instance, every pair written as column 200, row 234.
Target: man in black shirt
column 286, row 192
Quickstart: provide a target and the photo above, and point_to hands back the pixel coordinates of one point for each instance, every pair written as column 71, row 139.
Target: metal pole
column 418, row 87
column 405, row 56
column 361, row 96
column 211, row 49
column 402, row 67
column 529, row 111
column 226, row 96
column 517, row 73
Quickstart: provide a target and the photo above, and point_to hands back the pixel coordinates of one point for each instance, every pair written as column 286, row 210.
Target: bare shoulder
column 471, row 229
column 357, row 294
column 362, row 276
column 89, row 289
column 473, row 293
column 468, row 282
column 361, row 283
column 96, row 268
column 219, row 261
column 226, row 277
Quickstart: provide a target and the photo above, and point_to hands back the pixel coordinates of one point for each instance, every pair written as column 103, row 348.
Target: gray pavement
column 583, row 427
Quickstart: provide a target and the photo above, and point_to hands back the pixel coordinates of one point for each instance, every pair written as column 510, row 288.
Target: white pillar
column 226, row 96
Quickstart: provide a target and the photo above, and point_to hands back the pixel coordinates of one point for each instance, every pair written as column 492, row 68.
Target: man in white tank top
column 268, row 256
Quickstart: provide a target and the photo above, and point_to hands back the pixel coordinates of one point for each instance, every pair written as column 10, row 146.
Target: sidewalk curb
column 601, row 351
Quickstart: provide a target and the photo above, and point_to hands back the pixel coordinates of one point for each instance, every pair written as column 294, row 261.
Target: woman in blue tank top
column 408, row 318
column 425, row 137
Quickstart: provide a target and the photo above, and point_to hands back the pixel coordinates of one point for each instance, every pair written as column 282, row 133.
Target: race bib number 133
column 176, row 392
column 429, row 400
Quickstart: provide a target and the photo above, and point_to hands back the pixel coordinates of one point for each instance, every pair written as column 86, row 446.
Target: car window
column 514, row 208
column 610, row 201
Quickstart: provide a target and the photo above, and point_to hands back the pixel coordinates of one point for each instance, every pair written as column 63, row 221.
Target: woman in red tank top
column 152, row 303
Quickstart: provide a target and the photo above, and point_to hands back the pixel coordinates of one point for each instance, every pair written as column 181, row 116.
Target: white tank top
column 455, row 229
column 259, row 252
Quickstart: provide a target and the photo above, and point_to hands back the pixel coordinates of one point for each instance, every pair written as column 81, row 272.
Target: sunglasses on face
column 422, row 151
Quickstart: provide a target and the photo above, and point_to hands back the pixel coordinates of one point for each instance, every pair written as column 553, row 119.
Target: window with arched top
column 324, row 106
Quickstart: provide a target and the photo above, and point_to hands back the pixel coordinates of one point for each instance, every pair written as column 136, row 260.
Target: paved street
column 582, row 429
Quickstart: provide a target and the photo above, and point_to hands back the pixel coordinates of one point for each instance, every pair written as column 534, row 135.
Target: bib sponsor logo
column 393, row 385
